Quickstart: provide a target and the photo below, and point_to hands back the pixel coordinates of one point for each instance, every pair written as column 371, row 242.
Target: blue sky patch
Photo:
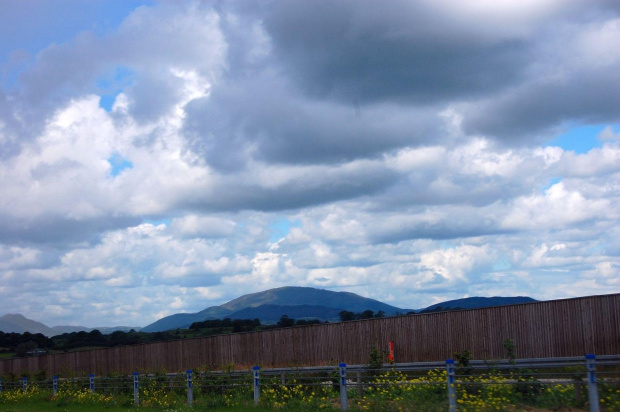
column 501, row 265
column 552, row 181
column 157, row 222
column 447, row 245
column 107, row 101
column 280, row 228
column 579, row 139
column 112, row 84
column 118, row 163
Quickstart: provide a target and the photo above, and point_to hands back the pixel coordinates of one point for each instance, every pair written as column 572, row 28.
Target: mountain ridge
column 287, row 296
column 18, row 323
column 477, row 302
column 268, row 306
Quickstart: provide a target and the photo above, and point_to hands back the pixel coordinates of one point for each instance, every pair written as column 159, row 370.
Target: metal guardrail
column 541, row 371
column 475, row 364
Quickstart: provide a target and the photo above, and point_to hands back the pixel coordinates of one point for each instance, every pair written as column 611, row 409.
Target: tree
column 345, row 315
column 286, row 322
column 23, row 348
column 367, row 314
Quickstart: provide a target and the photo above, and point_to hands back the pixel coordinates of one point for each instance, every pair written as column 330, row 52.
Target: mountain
column 310, row 303
column 286, row 299
column 292, row 296
column 16, row 323
column 479, row 302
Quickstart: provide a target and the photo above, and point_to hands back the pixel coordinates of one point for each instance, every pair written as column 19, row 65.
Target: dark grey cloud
column 154, row 95
column 374, row 51
column 461, row 225
column 263, row 118
column 329, row 82
column 533, row 109
column 57, row 231
column 442, row 189
column 315, row 187
column 10, row 128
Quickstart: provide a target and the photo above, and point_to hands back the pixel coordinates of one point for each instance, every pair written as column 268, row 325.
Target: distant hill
column 292, row 296
column 16, row 323
column 59, row 330
column 271, row 304
column 479, row 302
column 184, row 320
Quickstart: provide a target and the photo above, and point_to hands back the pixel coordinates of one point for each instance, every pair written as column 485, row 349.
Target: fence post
column 136, row 397
column 24, row 383
column 92, row 382
column 55, row 384
column 190, row 392
column 256, row 374
column 451, row 388
column 592, row 388
column 283, row 377
column 344, row 400
column 0, row 385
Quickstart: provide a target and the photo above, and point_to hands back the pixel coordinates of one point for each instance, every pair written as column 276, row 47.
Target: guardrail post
column 24, row 383
column 451, row 388
column 136, row 395
column 283, row 377
column 0, row 385
column 190, row 393
column 256, row 375
column 92, row 382
column 344, row 400
column 592, row 387
column 360, row 387
column 55, row 384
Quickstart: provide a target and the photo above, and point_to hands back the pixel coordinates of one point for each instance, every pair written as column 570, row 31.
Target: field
column 389, row 390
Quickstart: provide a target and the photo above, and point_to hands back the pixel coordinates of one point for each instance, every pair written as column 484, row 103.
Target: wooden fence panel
column 568, row 327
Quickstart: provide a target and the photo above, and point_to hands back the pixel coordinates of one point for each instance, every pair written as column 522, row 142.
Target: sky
column 164, row 157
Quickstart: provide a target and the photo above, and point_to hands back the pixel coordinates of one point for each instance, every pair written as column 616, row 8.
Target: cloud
column 557, row 208
column 408, row 142
column 401, row 51
column 563, row 88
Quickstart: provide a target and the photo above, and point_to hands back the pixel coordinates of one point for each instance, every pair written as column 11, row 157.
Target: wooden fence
column 559, row 328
